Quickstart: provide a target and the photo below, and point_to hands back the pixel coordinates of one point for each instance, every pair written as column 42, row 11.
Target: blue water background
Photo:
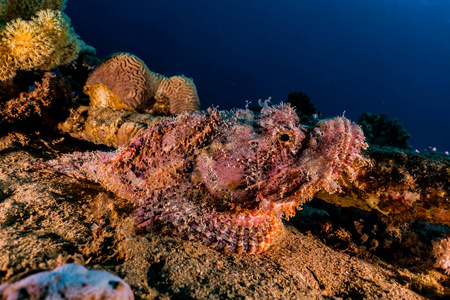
column 383, row 56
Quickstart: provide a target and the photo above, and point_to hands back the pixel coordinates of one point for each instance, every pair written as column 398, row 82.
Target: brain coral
column 12, row 9
column 181, row 94
column 128, row 78
column 44, row 42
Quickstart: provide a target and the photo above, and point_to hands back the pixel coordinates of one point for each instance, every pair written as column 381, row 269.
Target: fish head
column 269, row 161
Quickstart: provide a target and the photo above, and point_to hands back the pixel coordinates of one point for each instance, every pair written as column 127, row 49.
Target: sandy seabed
column 47, row 220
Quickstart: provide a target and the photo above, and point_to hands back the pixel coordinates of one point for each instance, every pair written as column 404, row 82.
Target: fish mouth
column 279, row 179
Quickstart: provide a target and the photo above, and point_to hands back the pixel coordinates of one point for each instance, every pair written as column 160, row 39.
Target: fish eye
column 284, row 137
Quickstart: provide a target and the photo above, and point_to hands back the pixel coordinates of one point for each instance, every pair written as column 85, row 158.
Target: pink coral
column 224, row 178
column 441, row 251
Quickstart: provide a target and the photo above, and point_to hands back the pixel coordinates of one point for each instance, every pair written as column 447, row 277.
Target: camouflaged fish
column 225, row 178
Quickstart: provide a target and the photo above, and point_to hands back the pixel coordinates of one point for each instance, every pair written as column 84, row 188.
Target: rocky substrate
column 47, row 220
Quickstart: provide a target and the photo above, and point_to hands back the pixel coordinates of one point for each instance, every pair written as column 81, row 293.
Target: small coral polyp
column 223, row 178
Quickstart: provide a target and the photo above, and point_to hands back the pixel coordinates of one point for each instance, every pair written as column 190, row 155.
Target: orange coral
column 128, row 77
column 102, row 97
column 44, row 42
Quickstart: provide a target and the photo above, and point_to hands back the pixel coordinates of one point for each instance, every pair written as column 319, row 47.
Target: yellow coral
column 26, row 46
column 67, row 46
column 44, row 42
column 12, row 9
column 7, row 66
column 102, row 97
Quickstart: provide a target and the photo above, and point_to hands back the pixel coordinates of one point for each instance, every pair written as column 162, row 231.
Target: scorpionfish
column 225, row 178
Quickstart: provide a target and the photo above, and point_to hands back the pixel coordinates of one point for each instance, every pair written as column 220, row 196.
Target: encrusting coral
column 123, row 81
column 70, row 281
column 404, row 186
column 50, row 92
column 123, row 90
column 44, row 42
column 224, row 178
column 441, row 251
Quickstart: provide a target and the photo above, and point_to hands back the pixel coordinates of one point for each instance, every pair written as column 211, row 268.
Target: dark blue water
column 384, row 56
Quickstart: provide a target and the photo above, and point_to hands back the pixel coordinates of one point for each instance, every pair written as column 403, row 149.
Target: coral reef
column 12, row 9
column 51, row 96
column 224, row 178
column 441, row 251
column 123, row 90
column 403, row 186
column 383, row 132
column 70, row 281
column 123, row 81
column 44, row 42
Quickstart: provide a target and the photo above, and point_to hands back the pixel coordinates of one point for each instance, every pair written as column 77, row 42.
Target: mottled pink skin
column 223, row 178
column 278, row 164
column 251, row 162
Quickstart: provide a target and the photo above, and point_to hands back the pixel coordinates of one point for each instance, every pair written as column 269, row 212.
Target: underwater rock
column 70, row 281
column 402, row 185
column 223, row 178
column 104, row 125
